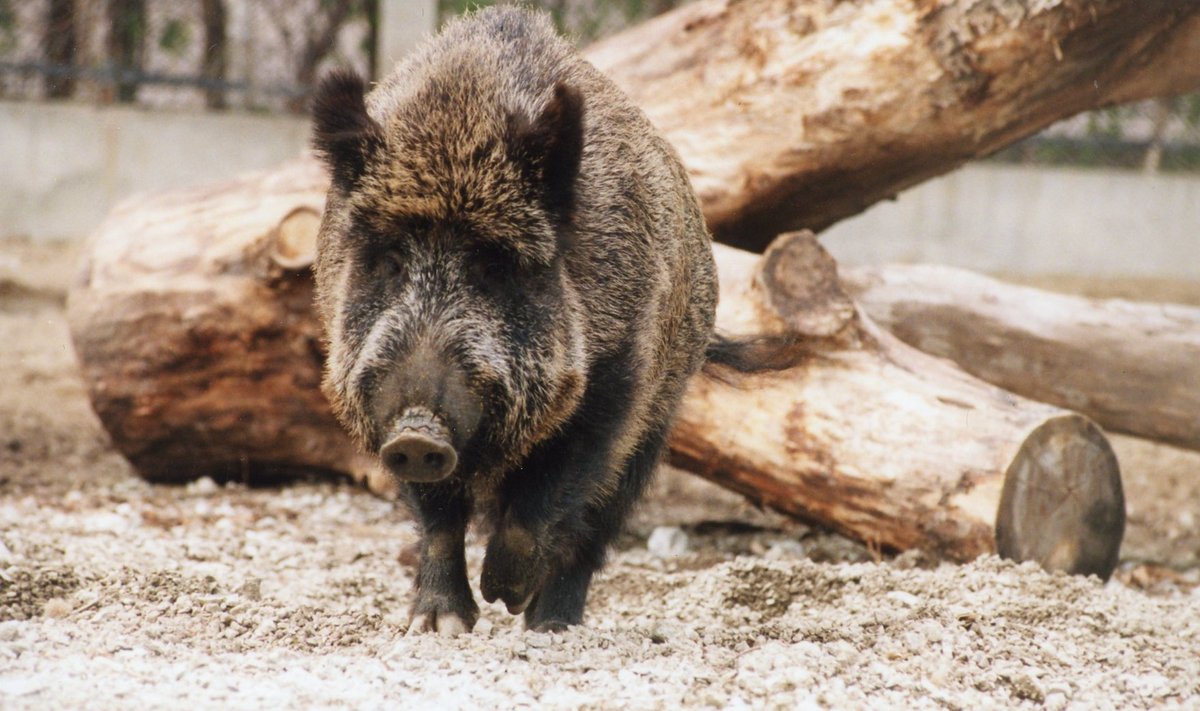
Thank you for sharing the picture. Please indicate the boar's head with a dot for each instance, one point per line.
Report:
(455, 335)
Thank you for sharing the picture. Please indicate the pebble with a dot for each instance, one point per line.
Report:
(204, 486)
(904, 598)
(667, 542)
(57, 608)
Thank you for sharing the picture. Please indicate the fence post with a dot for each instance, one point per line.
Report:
(402, 23)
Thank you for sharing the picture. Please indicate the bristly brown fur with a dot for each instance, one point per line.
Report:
(343, 134)
(505, 221)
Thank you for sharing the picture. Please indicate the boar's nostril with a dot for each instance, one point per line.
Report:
(418, 457)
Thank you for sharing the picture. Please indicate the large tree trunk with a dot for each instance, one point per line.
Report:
(1134, 368)
(200, 352)
(126, 45)
(215, 22)
(798, 113)
(59, 41)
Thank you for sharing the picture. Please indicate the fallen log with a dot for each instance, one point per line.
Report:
(193, 326)
(887, 444)
(1132, 367)
(197, 343)
(795, 114)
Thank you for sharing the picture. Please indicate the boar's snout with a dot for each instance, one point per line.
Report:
(418, 456)
(428, 412)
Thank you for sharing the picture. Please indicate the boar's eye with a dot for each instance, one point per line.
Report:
(490, 266)
(391, 265)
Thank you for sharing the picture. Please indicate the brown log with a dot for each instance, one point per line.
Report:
(887, 444)
(1132, 367)
(197, 343)
(192, 321)
(798, 113)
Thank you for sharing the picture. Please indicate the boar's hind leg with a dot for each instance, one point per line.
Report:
(561, 600)
(443, 602)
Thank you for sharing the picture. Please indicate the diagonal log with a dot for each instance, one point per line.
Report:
(798, 113)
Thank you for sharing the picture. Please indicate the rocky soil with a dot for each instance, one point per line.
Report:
(118, 594)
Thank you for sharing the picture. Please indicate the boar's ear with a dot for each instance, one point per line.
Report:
(551, 146)
(343, 133)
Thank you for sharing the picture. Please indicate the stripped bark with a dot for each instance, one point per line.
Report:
(798, 113)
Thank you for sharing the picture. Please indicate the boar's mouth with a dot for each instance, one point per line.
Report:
(418, 449)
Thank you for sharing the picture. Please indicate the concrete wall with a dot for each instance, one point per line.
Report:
(66, 165)
(1024, 220)
(63, 166)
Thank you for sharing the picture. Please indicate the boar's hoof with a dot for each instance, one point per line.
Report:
(513, 569)
(445, 624)
(417, 457)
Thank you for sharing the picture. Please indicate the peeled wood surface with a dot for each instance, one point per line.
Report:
(799, 113)
(892, 446)
(1132, 367)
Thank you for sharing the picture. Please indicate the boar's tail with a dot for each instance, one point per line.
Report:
(755, 354)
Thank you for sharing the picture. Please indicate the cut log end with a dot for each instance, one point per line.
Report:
(1062, 504)
(294, 241)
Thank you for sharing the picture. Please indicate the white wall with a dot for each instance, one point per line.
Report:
(1024, 220)
(65, 165)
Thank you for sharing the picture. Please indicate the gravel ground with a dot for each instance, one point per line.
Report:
(118, 594)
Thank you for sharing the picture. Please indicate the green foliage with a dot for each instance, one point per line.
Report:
(450, 8)
(1188, 108)
(8, 26)
(175, 37)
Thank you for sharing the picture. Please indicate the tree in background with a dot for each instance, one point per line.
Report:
(59, 40)
(126, 44)
(320, 40)
(215, 55)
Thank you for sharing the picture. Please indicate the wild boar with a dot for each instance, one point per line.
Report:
(516, 284)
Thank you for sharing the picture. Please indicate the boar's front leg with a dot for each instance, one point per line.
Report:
(584, 541)
(443, 602)
(560, 510)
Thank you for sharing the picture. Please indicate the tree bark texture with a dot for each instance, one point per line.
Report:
(199, 348)
(798, 113)
(1132, 367)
